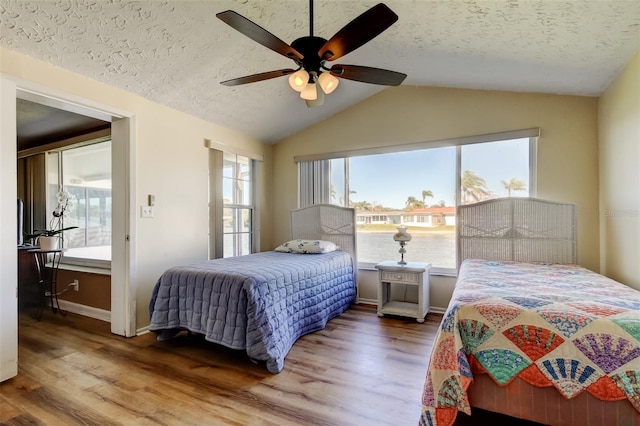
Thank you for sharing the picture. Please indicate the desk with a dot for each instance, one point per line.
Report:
(47, 279)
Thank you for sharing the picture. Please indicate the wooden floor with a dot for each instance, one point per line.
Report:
(359, 370)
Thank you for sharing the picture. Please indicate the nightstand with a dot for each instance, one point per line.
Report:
(411, 273)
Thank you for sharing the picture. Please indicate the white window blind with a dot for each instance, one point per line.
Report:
(314, 182)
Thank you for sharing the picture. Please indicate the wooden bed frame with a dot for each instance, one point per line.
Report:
(530, 230)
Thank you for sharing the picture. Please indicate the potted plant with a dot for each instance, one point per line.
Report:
(48, 238)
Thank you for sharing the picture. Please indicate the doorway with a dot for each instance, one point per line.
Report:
(123, 201)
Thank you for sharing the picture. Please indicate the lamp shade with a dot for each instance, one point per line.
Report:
(328, 82)
(309, 93)
(402, 235)
(299, 80)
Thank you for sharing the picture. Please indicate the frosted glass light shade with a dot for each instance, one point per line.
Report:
(318, 101)
(310, 92)
(328, 82)
(299, 80)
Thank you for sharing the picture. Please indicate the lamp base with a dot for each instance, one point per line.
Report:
(402, 251)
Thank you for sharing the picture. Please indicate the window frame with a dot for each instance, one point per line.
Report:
(69, 258)
(217, 205)
(531, 134)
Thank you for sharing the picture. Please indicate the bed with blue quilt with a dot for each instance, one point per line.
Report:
(263, 302)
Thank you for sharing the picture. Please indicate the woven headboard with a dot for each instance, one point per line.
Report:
(520, 229)
(326, 222)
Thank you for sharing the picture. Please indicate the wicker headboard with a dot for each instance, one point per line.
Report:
(326, 222)
(520, 229)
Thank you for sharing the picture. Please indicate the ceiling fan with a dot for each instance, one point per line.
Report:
(310, 54)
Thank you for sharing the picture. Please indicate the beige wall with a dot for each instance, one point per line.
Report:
(567, 148)
(171, 162)
(619, 155)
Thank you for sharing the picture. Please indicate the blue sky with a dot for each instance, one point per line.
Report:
(390, 178)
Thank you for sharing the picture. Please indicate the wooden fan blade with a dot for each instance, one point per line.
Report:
(257, 77)
(357, 32)
(368, 74)
(259, 34)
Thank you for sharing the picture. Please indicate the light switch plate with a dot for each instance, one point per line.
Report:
(146, 212)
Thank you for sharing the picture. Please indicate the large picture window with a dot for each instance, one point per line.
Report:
(420, 189)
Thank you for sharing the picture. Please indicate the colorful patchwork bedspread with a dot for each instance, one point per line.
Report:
(549, 325)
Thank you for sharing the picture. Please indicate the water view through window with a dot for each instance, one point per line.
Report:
(417, 189)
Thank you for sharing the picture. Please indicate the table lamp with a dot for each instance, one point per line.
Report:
(402, 237)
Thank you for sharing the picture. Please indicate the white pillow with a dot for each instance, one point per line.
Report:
(307, 247)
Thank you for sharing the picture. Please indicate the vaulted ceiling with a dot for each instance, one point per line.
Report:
(177, 52)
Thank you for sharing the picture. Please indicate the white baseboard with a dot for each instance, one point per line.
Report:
(103, 315)
(143, 330)
(432, 309)
(437, 310)
(87, 311)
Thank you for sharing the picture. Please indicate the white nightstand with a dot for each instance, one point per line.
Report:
(412, 273)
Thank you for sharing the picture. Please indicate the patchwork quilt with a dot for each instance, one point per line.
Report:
(261, 303)
(547, 324)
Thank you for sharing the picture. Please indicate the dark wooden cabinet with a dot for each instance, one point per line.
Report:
(29, 291)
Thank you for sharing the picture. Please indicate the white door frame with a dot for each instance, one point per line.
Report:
(123, 254)
(8, 233)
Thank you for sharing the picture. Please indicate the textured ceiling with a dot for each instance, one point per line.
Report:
(177, 52)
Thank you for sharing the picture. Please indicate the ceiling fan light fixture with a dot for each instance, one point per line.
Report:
(310, 92)
(328, 82)
(312, 79)
(299, 80)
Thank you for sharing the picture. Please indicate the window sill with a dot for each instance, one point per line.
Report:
(87, 259)
(87, 269)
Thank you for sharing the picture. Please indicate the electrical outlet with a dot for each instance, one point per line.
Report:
(146, 212)
(76, 285)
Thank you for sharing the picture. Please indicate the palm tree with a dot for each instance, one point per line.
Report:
(426, 193)
(350, 202)
(362, 206)
(473, 186)
(413, 203)
(514, 184)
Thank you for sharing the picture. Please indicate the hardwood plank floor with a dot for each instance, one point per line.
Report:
(359, 370)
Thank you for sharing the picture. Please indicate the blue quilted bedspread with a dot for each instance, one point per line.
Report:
(261, 303)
